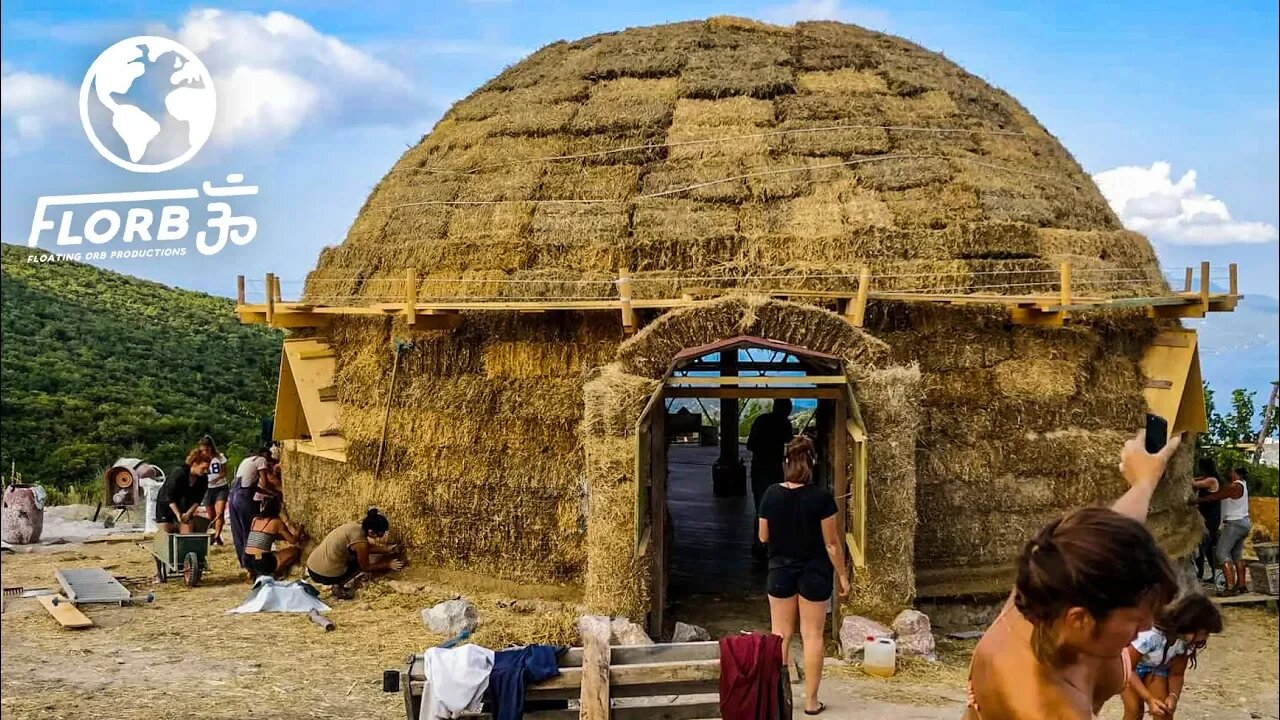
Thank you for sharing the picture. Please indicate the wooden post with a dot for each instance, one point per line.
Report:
(594, 703)
(1065, 281)
(411, 296)
(858, 312)
(239, 289)
(275, 288)
(1235, 285)
(1204, 285)
(271, 298)
(624, 298)
(1186, 280)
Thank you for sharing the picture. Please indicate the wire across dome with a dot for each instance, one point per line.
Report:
(729, 151)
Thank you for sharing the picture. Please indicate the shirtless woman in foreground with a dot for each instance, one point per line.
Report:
(1087, 584)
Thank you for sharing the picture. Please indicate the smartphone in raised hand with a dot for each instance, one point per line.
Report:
(1157, 433)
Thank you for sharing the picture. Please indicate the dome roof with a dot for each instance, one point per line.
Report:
(726, 148)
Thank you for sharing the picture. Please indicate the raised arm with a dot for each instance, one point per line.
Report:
(1206, 483)
(1231, 490)
(1142, 471)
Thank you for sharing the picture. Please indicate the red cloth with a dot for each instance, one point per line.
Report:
(750, 677)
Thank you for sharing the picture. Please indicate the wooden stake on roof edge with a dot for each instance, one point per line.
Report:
(859, 312)
(411, 296)
(271, 299)
(624, 300)
(1204, 286)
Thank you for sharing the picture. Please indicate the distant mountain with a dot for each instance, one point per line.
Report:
(95, 365)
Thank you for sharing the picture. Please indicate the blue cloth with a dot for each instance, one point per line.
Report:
(1144, 670)
(513, 670)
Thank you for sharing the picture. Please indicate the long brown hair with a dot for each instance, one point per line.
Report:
(797, 469)
(1190, 614)
(1094, 558)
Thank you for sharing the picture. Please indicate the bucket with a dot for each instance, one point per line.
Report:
(23, 514)
(1267, 552)
(879, 656)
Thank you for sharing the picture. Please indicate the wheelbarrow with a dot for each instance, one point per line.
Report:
(186, 553)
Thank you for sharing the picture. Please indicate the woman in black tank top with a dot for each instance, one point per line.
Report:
(1206, 483)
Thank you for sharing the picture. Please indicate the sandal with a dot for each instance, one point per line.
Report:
(821, 706)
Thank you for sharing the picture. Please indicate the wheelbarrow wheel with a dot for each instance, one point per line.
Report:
(191, 570)
(162, 572)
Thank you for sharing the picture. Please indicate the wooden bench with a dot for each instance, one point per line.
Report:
(675, 681)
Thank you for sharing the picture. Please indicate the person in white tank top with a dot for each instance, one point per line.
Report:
(1236, 526)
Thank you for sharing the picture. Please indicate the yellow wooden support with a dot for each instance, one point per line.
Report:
(1235, 285)
(271, 298)
(1065, 281)
(624, 299)
(1204, 285)
(411, 296)
(1186, 280)
(858, 311)
(239, 289)
(275, 279)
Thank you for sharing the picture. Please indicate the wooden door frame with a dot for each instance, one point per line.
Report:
(651, 454)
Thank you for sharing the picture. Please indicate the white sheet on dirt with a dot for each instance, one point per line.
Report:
(270, 595)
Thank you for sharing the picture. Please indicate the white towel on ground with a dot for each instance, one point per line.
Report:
(456, 681)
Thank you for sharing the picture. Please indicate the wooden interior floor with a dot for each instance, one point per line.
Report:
(713, 581)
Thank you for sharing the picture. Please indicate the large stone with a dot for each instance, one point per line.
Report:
(915, 635)
(451, 617)
(625, 632)
(689, 633)
(854, 631)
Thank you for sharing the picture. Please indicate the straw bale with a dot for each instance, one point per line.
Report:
(616, 400)
(1015, 207)
(501, 151)
(843, 81)
(931, 207)
(645, 52)
(537, 119)
(1124, 248)
(734, 141)
(759, 70)
(626, 103)
(726, 112)
(902, 173)
(679, 174)
(485, 104)
(557, 62)
(824, 138)
(680, 220)
(826, 45)
(589, 182)
(1038, 378)
(597, 223)
(510, 182)
(633, 146)
(830, 108)
(507, 222)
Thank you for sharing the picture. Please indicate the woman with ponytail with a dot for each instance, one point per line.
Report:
(798, 523)
(351, 549)
(1086, 585)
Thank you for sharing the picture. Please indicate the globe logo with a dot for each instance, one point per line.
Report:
(147, 104)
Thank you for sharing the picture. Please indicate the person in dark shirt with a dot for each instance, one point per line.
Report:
(798, 521)
(181, 493)
(767, 442)
(1206, 483)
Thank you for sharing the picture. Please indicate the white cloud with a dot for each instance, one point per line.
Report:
(275, 73)
(33, 106)
(794, 12)
(1149, 201)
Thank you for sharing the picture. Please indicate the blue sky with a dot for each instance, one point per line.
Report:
(1160, 88)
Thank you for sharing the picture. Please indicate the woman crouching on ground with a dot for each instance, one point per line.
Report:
(798, 523)
(1160, 656)
(1087, 584)
(266, 528)
(351, 549)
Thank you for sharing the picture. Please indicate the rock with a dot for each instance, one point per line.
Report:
(915, 635)
(854, 632)
(689, 633)
(451, 617)
(626, 632)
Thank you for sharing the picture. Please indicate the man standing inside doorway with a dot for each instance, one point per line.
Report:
(767, 442)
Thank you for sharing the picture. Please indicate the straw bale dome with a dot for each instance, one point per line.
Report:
(725, 148)
(727, 153)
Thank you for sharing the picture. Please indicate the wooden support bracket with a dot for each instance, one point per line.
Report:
(857, 308)
(1204, 286)
(411, 296)
(239, 289)
(624, 300)
(271, 298)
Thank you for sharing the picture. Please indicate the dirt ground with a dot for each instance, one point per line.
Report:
(183, 656)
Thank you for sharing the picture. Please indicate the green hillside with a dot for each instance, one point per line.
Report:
(95, 365)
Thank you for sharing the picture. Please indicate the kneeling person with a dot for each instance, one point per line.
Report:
(260, 556)
(351, 549)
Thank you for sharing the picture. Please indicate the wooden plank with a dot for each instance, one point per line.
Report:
(1064, 281)
(1234, 283)
(1159, 384)
(842, 495)
(1175, 339)
(624, 300)
(271, 298)
(594, 697)
(317, 354)
(239, 290)
(821, 393)
(661, 652)
(1186, 280)
(64, 612)
(411, 296)
(859, 310)
(763, 381)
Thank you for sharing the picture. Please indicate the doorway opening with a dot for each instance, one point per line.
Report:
(696, 499)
